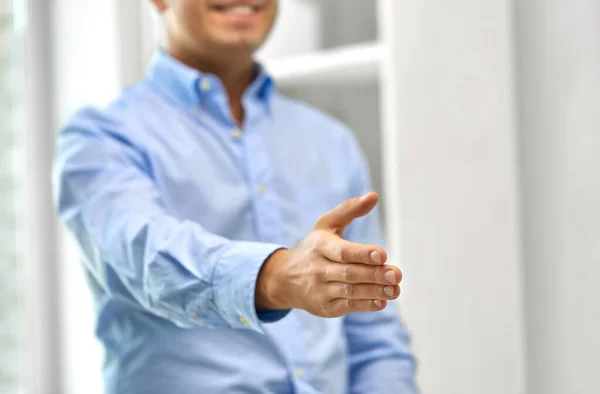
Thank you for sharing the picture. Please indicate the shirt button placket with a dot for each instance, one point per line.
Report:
(262, 190)
(204, 84)
(236, 134)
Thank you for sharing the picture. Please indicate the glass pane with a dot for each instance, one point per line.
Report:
(9, 255)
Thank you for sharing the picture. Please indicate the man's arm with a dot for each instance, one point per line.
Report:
(136, 250)
(140, 253)
(378, 343)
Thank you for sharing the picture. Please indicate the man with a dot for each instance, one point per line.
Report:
(207, 207)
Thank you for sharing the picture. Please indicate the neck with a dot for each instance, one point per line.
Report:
(235, 69)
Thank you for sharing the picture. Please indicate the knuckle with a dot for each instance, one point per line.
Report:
(329, 310)
(366, 305)
(344, 207)
(373, 274)
(350, 275)
(346, 204)
(348, 290)
(353, 305)
(321, 220)
(325, 308)
(320, 242)
(324, 272)
(337, 253)
(345, 273)
(320, 271)
(375, 291)
(342, 253)
(350, 305)
(363, 305)
(363, 254)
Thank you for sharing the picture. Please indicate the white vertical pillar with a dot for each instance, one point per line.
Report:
(559, 78)
(86, 71)
(450, 148)
(96, 49)
(40, 280)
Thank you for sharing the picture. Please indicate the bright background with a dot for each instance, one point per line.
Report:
(481, 121)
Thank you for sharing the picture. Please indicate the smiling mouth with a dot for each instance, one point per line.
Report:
(237, 9)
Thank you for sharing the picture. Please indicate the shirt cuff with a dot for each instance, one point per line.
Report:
(234, 285)
(272, 316)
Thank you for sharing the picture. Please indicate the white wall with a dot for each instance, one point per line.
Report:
(87, 53)
(559, 78)
(452, 155)
(453, 165)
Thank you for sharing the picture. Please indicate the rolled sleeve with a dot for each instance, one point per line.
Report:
(234, 284)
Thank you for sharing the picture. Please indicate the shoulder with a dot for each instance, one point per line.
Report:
(120, 118)
(111, 132)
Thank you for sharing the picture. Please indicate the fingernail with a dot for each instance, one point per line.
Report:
(377, 303)
(389, 291)
(390, 275)
(375, 257)
(363, 197)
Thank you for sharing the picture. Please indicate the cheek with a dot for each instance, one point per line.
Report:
(197, 22)
(271, 14)
(269, 20)
(264, 27)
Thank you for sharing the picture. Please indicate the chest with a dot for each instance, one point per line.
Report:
(266, 181)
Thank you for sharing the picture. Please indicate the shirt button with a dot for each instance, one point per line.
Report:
(192, 111)
(244, 321)
(299, 372)
(193, 318)
(262, 189)
(204, 84)
(236, 134)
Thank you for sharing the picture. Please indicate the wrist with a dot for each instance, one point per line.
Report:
(270, 285)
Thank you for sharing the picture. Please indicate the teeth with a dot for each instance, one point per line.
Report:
(240, 9)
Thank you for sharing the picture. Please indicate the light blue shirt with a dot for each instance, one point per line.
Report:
(175, 210)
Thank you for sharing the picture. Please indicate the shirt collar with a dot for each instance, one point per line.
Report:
(189, 86)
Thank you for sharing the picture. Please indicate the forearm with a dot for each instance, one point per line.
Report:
(174, 269)
(136, 250)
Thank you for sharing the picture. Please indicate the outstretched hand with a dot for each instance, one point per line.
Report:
(327, 275)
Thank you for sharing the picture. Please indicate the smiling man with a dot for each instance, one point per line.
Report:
(228, 232)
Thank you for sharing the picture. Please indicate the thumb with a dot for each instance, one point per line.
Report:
(342, 215)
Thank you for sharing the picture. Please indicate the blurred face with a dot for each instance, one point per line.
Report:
(218, 24)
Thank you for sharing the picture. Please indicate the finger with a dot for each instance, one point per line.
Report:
(343, 306)
(342, 251)
(362, 273)
(362, 291)
(346, 212)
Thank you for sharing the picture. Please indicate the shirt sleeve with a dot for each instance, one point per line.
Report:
(380, 356)
(139, 252)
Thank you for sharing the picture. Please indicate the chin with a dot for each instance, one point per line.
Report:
(241, 43)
